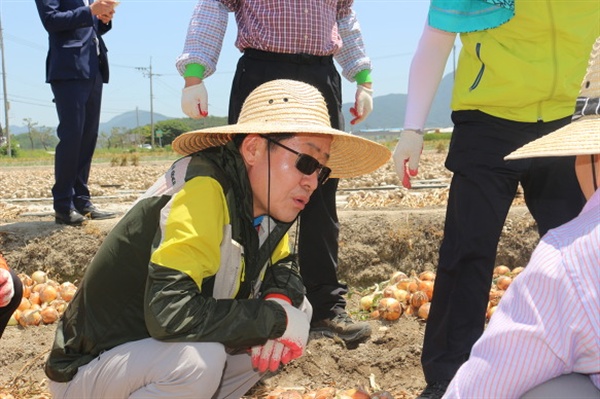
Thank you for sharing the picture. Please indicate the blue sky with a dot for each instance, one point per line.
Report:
(153, 32)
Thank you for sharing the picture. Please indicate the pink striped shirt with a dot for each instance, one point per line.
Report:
(316, 27)
(548, 322)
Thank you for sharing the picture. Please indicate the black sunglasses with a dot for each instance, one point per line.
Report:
(305, 163)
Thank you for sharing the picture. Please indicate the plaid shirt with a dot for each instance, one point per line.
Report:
(316, 27)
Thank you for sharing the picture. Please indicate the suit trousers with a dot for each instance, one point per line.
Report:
(78, 107)
(319, 226)
(481, 192)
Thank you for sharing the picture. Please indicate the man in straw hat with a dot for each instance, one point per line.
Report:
(195, 292)
(544, 339)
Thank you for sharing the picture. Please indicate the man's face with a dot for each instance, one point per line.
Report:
(289, 189)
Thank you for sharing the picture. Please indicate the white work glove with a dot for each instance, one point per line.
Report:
(194, 101)
(407, 155)
(286, 348)
(363, 104)
(7, 289)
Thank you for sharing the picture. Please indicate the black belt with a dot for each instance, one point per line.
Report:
(293, 58)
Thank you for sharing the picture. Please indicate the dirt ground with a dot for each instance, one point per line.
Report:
(404, 234)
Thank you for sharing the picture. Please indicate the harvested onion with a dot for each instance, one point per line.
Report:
(418, 298)
(39, 276)
(503, 282)
(423, 311)
(389, 309)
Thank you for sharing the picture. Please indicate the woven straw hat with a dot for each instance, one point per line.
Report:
(288, 106)
(582, 135)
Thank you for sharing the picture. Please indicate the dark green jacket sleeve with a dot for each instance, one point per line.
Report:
(176, 310)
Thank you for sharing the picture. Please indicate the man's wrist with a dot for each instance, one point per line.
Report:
(363, 77)
(194, 71)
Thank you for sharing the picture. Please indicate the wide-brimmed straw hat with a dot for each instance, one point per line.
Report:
(582, 135)
(288, 106)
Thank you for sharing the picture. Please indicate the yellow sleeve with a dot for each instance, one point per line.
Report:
(192, 229)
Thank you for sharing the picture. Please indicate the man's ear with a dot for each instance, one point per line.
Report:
(252, 148)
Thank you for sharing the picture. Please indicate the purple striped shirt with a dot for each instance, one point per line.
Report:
(316, 27)
(548, 322)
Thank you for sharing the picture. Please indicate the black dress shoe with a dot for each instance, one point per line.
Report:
(92, 212)
(72, 218)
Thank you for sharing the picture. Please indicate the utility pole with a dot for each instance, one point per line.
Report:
(6, 103)
(148, 72)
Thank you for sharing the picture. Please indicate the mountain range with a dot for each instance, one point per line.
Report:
(388, 113)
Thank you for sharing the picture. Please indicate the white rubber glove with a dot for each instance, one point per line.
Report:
(363, 104)
(194, 101)
(7, 288)
(407, 155)
(287, 347)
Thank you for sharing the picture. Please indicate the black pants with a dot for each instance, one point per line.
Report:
(482, 189)
(319, 227)
(78, 107)
(9, 309)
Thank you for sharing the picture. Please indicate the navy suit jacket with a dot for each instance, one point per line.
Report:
(72, 52)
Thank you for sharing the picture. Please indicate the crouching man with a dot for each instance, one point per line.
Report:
(196, 292)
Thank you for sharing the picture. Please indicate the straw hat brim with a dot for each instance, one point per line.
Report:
(351, 155)
(581, 137)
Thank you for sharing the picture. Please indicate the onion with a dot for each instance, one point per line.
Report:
(13, 321)
(503, 282)
(374, 314)
(427, 275)
(495, 296)
(397, 276)
(30, 317)
(26, 291)
(389, 309)
(39, 276)
(418, 298)
(60, 305)
(357, 394)
(402, 296)
(25, 279)
(408, 284)
(325, 393)
(427, 287)
(49, 315)
(25, 304)
(501, 270)
(48, 294)
(366, 302)
(423, 311)
(34, 298)
(67, 291)
(290, 394)
(515, 272)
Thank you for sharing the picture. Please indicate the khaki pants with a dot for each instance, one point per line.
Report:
(154, 369)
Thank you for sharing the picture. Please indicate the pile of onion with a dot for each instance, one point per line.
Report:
(44, 300)
(401, 295)
(412, 295)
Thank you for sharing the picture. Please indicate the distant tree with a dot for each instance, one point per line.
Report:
(118, 137)
(46, 137)
(31, 131)
(171, 128)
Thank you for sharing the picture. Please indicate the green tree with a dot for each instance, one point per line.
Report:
(31, 131)
(171, 128)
